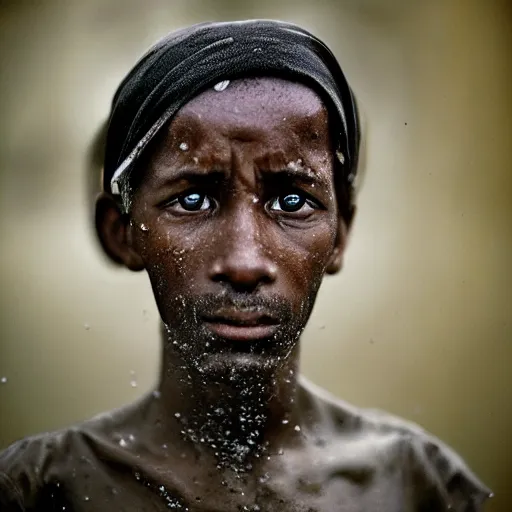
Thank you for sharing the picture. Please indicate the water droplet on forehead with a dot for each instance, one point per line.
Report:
(183, 146)
(221, 86)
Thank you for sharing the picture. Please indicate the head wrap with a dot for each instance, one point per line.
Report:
(187, 61)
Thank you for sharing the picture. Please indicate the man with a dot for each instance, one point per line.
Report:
(228, 176)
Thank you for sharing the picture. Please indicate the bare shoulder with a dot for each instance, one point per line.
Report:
(393, 445)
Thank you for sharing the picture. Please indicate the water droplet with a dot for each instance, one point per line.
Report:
(87, 326)
(133, 380)
(123, 443)
(285, 422)
(340, 156)
(184, 146)
(131, 437)
(3, 380)
(297, 428)
(221, 86)
(177, 414)
(143, 227)
(86, 498)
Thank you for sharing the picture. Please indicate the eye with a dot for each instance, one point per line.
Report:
(291, 203)
(191, 202)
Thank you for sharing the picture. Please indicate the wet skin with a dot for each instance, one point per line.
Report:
(235, 219)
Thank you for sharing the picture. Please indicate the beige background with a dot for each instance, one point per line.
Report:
(419, 322)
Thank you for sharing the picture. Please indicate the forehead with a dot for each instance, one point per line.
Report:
(255, 105)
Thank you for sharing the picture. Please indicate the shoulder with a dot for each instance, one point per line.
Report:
(23, 468)
(33, 470)
(430, 471)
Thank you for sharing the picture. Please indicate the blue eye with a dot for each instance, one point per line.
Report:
(191, 202)
(291, 202)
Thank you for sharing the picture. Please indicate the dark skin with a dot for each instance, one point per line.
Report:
(236, 221)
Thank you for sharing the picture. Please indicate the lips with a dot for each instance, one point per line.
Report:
(239, 325)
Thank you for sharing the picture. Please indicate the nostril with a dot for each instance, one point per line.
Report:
(243, 275)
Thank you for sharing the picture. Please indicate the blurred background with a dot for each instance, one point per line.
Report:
(420, 320)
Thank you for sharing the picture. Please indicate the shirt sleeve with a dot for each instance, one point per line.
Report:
(442, 479)
(19, 482)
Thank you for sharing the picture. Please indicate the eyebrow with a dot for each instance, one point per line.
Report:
(288, 175)
(191, 175)
(291, 174)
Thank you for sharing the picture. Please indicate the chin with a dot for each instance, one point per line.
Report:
(241, 368)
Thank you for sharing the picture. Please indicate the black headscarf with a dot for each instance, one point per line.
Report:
(187, 61)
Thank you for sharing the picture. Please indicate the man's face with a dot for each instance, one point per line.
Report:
(236, 222)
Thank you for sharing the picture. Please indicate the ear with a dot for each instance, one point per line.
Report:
(344, 229)
(114, 232)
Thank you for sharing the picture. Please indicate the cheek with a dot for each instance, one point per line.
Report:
(303, 256)
(171, 258)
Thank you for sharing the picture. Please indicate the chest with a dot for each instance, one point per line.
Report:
(282, 491)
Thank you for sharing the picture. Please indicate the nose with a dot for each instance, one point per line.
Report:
(242, 260)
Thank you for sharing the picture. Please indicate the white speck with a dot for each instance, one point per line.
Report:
(87, 326)
(297, 428)
(285, 422)
(143, 227)
(255, 199)
(195, 160)
(131, 437)
(257, 50)
(184, 146)
(295, 166)
(122, 443)
(340, 156)
(86, 498)
(3, 380)
(221, 86)
(177, 414)
(133, 381)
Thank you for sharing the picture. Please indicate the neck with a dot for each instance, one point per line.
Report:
(234, 411)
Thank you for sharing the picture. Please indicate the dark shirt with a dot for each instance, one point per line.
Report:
(354, 460)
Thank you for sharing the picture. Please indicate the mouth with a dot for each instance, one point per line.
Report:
(239, 325)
